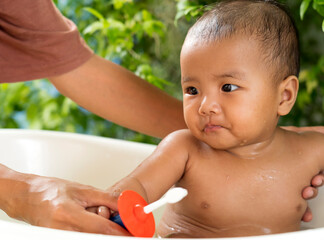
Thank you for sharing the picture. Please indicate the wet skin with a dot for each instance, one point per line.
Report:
(230, 196)
(244, 175)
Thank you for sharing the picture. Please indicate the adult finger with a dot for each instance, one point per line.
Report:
(318, 180)
(308, 216)
(92, 209)
(309, 192)
(92, 197)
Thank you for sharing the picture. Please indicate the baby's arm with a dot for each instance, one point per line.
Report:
(160, 171)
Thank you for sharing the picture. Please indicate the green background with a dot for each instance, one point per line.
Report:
(145, 36)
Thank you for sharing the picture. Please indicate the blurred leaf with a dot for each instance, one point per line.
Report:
(151, 27)
(318, 7)
(188, 9)
(311, 86)
(93, 27)
(304, 7)
(303, 99)
(95, 13)
(146, 15)
(118, 4)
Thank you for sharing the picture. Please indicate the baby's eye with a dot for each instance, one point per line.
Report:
(191, 90)
(229, 87)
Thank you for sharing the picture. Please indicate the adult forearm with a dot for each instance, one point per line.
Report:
(55, 203)
(319, 129)
(12, 186)
(118, 95)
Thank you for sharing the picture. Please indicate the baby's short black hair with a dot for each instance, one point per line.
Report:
(266, 21)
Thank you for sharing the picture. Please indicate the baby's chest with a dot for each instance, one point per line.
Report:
(228, 193)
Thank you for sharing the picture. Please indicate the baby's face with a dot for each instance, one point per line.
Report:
(229, 99)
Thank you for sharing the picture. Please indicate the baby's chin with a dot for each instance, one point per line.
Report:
(218, 144)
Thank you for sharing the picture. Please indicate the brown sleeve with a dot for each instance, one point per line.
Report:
(36, 41)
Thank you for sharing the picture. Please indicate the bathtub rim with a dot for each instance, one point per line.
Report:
(10, 228)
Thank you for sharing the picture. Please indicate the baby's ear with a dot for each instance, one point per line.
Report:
(288, 89)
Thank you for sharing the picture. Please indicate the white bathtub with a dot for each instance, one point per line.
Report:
(94, 161)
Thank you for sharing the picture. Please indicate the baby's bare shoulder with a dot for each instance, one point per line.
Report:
(181, 137)
(176, 147)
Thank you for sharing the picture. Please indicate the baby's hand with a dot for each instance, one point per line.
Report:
(101, 211)
(104, 212)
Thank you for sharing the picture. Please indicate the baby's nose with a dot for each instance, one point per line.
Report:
(209, 106)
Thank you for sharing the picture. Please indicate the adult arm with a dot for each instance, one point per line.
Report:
(36, 49)
(319, 129)
(53, 48)
(54, 203)
(118, 95)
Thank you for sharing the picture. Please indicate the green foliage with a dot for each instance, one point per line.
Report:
(31, 102)
(123, 37)
(318, 6)
(122, 31)
(145, 36)
(188, 9)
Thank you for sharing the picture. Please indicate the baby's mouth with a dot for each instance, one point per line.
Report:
(212, 128)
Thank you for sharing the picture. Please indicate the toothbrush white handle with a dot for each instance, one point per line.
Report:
(172, 196)
(155, 205)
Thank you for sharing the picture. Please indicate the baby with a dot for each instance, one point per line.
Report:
(244, 175)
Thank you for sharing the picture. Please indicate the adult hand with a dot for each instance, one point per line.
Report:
(56, 203)
(311, 191)
(104, 211)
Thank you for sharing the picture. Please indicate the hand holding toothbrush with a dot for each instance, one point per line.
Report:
(135, 214)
